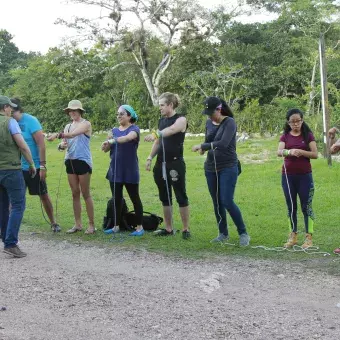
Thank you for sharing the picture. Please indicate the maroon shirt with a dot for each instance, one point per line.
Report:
(296, 165)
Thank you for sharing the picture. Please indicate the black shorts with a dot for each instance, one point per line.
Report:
(35, 185)
(175, 171)
(77, 167)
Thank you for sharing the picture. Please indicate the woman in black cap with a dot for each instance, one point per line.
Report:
(222, 166)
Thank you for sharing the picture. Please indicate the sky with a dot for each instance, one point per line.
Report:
(33, 26)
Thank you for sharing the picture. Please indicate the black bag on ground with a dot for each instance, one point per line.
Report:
(109, 219)
(150, 221)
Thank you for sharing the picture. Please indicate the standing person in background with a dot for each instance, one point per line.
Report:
(334, 145)
(297, 146)
(32, 132)
(168, 141)
(12, 185)
(221, 167)
(334, 148)
(124, 170)
(78, 162)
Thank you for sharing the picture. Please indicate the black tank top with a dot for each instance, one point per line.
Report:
(173, 145)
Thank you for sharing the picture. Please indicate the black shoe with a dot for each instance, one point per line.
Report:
(55, 227)
(164, 232)
(186, 234)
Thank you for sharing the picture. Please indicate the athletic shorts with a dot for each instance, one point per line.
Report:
(175, 179)
(77, 167)
(35, 185)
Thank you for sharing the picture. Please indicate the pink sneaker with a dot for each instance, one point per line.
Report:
(336, 251)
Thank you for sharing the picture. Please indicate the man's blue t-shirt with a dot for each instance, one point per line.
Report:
(30, 125)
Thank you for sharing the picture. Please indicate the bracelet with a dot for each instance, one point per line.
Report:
(32, 166)
(149, 158)
(112, 140)
(285, 152)
(157, 134)
(60, 135)
(42, 167)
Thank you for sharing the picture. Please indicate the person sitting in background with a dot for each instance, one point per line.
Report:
(124, 170)
(32, 132)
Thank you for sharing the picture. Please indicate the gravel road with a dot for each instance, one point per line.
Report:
(68, 291)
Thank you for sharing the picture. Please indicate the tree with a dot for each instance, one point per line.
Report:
(10, 58)
(170, 21)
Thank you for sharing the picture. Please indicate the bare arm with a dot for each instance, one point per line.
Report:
(180, 125)
(40, 140)
(153, 153)
(23, 147)
(154, 149)
(313, 153)
(280, 149)
(108, 144)
(82, 128)
(129, 137)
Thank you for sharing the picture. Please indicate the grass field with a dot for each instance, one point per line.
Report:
(259, 196)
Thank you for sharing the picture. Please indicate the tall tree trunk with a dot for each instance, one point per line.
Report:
(310, 105)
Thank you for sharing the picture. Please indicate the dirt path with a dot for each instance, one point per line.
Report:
(68, 292)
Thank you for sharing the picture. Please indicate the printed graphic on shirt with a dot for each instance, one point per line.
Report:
(174, 175)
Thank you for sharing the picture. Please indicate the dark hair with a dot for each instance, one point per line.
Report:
(132, 119)
(305, 129)
(225, 109)
(17, 101)
(2, 106)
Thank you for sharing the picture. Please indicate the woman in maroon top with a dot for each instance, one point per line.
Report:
(297, 145)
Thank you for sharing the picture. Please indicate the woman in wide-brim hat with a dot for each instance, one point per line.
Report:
(78, 162)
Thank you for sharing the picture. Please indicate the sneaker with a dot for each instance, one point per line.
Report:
(186, 234)
(55, 227)
(15, 252)
(336, 251)
(137, 233)
(114, 230)
(220, 238)
(244, 240)
(164, 232)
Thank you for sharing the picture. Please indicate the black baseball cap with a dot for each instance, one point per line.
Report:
(211, 104)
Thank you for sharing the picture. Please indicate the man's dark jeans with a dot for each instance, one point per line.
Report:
(12, 205)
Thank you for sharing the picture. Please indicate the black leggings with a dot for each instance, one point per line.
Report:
(133, 191)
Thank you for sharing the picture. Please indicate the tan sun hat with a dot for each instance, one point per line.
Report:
(74, 105)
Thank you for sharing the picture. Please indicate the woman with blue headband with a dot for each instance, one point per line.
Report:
(123, 170)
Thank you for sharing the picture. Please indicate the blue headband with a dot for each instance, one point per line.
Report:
(132, 112)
